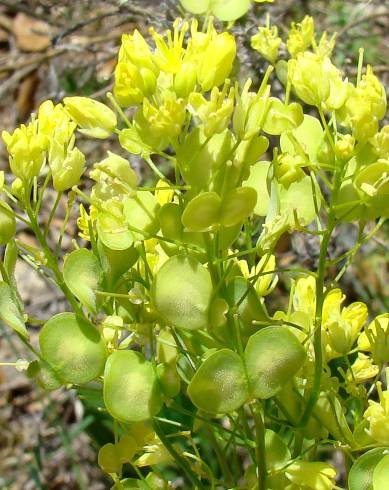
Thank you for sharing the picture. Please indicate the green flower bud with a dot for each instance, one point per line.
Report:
(185, 79)
(344, 147)
(94, 118)
(7, 223)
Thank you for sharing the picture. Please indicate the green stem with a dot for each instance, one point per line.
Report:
(260, 448)
(51, 261)
(192, 477)
(320, 296)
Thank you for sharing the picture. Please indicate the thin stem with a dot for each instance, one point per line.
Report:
(260, 448)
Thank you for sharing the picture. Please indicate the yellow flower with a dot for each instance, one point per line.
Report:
(375, 339)
(300, 36)
(27, 150)
(163, 193)
(378, 416)
(169, 54)
(267, 42)
(94, 118)
(364, 106)
(362, 369)
(215, 113)
(134, 49)
(381, 142)
(84, 219)
(312, 475)
(310, 77)
(304, 297)
(289, 168)
(167, 119)
(133, 83)
(342, 326)
(114, 178)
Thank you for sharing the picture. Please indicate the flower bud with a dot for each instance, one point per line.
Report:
(344, 147)
(94, 118)
(185, 79)
(18, 189)
(67, 172)
(7, 223)
(267, 282)
(217, 61)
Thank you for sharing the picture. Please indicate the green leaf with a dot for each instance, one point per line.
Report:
(9, 311)
(181, 293)
(141, 213)
(82, 275)
(202, 212)
(273, 356)
(73, 348)
(228, 10)
(381, 474)
(131, 391)
(220, 384)
(237, 205)
(258, 181)
(361, 473)
(196, 6)
(281, 117)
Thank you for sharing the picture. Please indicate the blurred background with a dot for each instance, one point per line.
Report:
(54, 48)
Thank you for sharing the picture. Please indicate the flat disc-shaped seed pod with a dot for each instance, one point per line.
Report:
(381, 474)
(82, 275)
(131, 391)
(273, 356)
(220, 384)
(202, 212)
(299, 198)
(181, 293)
(196, 6)
(228, 10)
(309, 135)
(113, 232)
(363, 469)
(237, 205)
(281, 117)
(73, 348)
(258, 181)
(10, 313)
(140, 212)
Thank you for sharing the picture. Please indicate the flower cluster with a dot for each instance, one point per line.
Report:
(170, 285)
